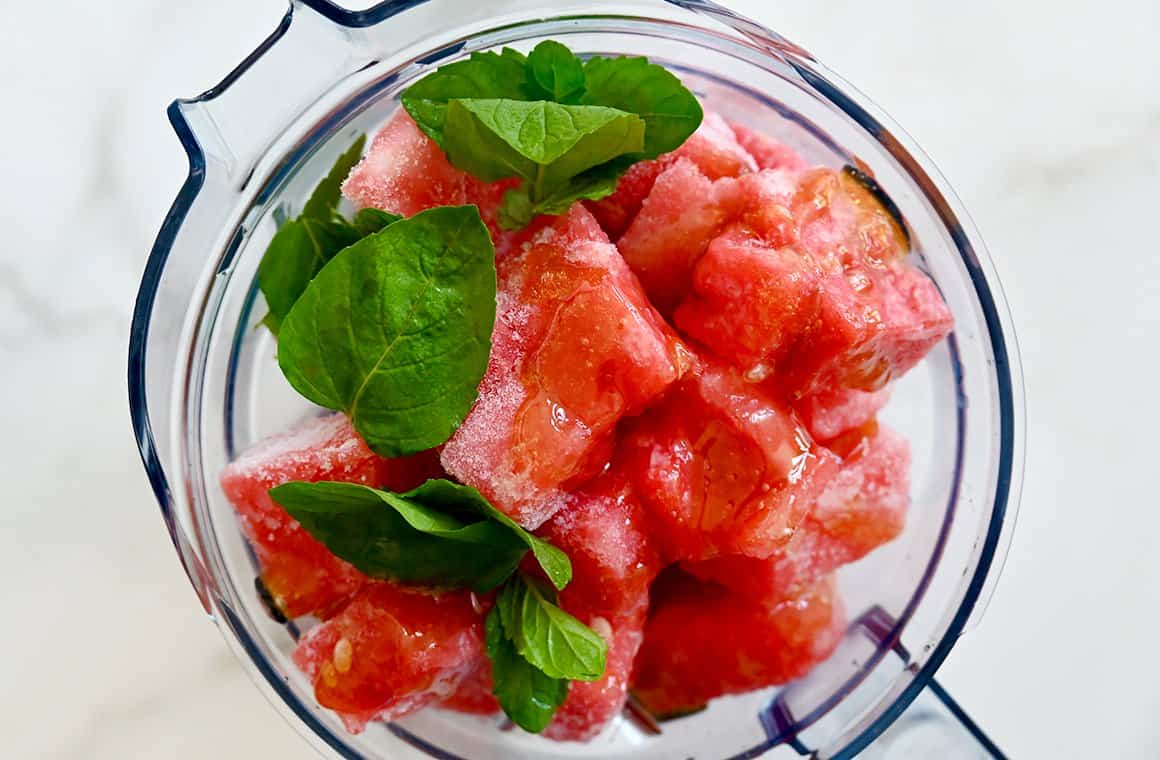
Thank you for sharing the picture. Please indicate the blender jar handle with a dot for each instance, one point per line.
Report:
(934, 725)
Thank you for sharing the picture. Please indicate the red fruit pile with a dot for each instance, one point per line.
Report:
(685, 374)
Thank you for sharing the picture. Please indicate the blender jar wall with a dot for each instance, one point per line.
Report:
(203, 382)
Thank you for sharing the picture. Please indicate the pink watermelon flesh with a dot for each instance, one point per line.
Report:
(830, 413)
(474, 694)
(703, 641)
(682, 213)
(723, 468)
(576, 347)
(601, 528)
(301, 574)
(713, 149)
(405, 172)
(767, 152)
(862, 508)
(809, 285)
(392, 651)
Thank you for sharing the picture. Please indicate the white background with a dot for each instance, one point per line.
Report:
(1044, 115)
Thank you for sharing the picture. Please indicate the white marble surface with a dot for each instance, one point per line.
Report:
(1046, 117)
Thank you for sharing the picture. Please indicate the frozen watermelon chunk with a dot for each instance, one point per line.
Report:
(391, 651)
(576, 347)
(862, 508)
(767, 152)
(722, 468)
(405, 172)
(301, 575)
(830, 413)
(591, 705)
(682, 213)
(702, 641)
(750, 300)
(713, 148)
(474, 694)
(602, 530)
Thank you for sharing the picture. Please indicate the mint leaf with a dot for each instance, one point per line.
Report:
(528, 696)
(483, 75)
(542, 142)
(323, 202)
(557, 71)
(504, 115)
(403, 537)
(456, 498)
(396, 330)
(298, 250)
(671, 113)
(370, 220)
(548, 145)
(547, 636)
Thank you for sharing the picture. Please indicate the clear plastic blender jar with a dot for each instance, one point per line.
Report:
(204, 385)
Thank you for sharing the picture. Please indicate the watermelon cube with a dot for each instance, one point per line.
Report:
(767, 152)
(862, 508)
(576, 347)
(405, 172)
(474, 693)
(602, 530)
(591, 705)
(750, 300)
(391, 651)
(723, 468)
(682, 213)
(713, 148)
(830, 413)
(302, 576)
(703, 641)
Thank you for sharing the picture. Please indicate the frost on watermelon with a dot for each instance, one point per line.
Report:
(830, 413)
(406, 172)
(723, 468)
(392, 651)
(301, 575)
(703, 641)
(810, 284)
(576, 347)
(591, 705)
(862, 508)
(474, 694)
(682, 213)
(767, 152)
(713, 149)
(602, 530)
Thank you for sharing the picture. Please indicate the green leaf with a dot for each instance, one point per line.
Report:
(538, 137)
(323, 202)
(517, 209)
(298, 250)
(483, 75)
(370, 220)
(671, 113)
(528, 696)
(403, 537)
(456, 498)
(396, 330)
(557, 71)
(547, 636)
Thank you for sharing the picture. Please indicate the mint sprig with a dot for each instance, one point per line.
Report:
(395, 330)
(447, 535)
(567, 128)
(440, 534)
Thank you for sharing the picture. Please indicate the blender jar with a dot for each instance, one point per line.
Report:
(203, 383)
